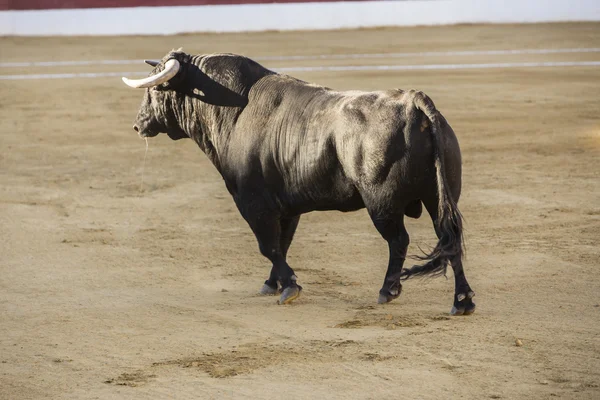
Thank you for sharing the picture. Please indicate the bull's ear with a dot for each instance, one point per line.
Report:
(152, 63)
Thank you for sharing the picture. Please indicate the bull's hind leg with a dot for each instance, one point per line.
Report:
(391, 227)
(463, 294)
(288, 228)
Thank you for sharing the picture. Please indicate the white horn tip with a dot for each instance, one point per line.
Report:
(171, 69)
(129, 82)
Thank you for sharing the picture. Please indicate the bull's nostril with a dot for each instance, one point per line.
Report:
(135, 128)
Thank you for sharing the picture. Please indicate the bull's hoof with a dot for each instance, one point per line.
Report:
(268, 290)
(290, 294)
(385, 296)
(463, 304)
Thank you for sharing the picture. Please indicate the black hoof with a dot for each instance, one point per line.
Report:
(290, 294)
(386, 296)
(463, 304)
(268, 290)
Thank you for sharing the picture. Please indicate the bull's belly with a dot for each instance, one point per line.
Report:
(334, 198)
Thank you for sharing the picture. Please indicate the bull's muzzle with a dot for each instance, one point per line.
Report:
(144, 133)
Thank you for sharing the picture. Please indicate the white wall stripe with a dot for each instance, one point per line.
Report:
(321, 57)
(331, 68)
(289, 16)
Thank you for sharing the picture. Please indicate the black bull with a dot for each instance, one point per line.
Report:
(285, 147)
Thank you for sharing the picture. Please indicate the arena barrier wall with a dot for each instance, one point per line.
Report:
(151, 17)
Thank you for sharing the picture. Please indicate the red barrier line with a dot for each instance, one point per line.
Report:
(74, 4)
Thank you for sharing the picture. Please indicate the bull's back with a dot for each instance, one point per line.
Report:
(317, 149)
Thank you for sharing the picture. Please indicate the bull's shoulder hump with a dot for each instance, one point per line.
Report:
(231, 63)
(283, 91)
(286, 83)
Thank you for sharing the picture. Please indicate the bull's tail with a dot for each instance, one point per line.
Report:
(449, 220)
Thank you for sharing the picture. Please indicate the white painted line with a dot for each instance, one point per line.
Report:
(72, 75)
(438, 66)
(430, 54)
(67, 63)
(332, 68)
(321, 57)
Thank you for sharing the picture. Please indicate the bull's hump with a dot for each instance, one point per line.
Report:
(233, 69)
(278, 83)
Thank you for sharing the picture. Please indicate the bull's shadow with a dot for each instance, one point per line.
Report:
(201, 86)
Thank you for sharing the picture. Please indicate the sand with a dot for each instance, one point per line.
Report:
(109, 291)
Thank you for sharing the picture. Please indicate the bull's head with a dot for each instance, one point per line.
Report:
(194, 96)
(156, 114)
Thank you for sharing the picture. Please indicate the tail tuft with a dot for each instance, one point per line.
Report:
(449, 219)
(448, 247)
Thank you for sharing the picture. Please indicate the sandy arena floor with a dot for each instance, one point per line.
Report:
(112, 291)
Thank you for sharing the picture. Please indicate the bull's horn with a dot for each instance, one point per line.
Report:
(152, 63)
(171, 69)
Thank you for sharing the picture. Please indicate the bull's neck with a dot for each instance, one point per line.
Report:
(217, 92)
(216, 124)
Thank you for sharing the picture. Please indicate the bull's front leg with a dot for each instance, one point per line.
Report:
(267, 227)
(271, 285)
(288, 228)
(268, 233)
